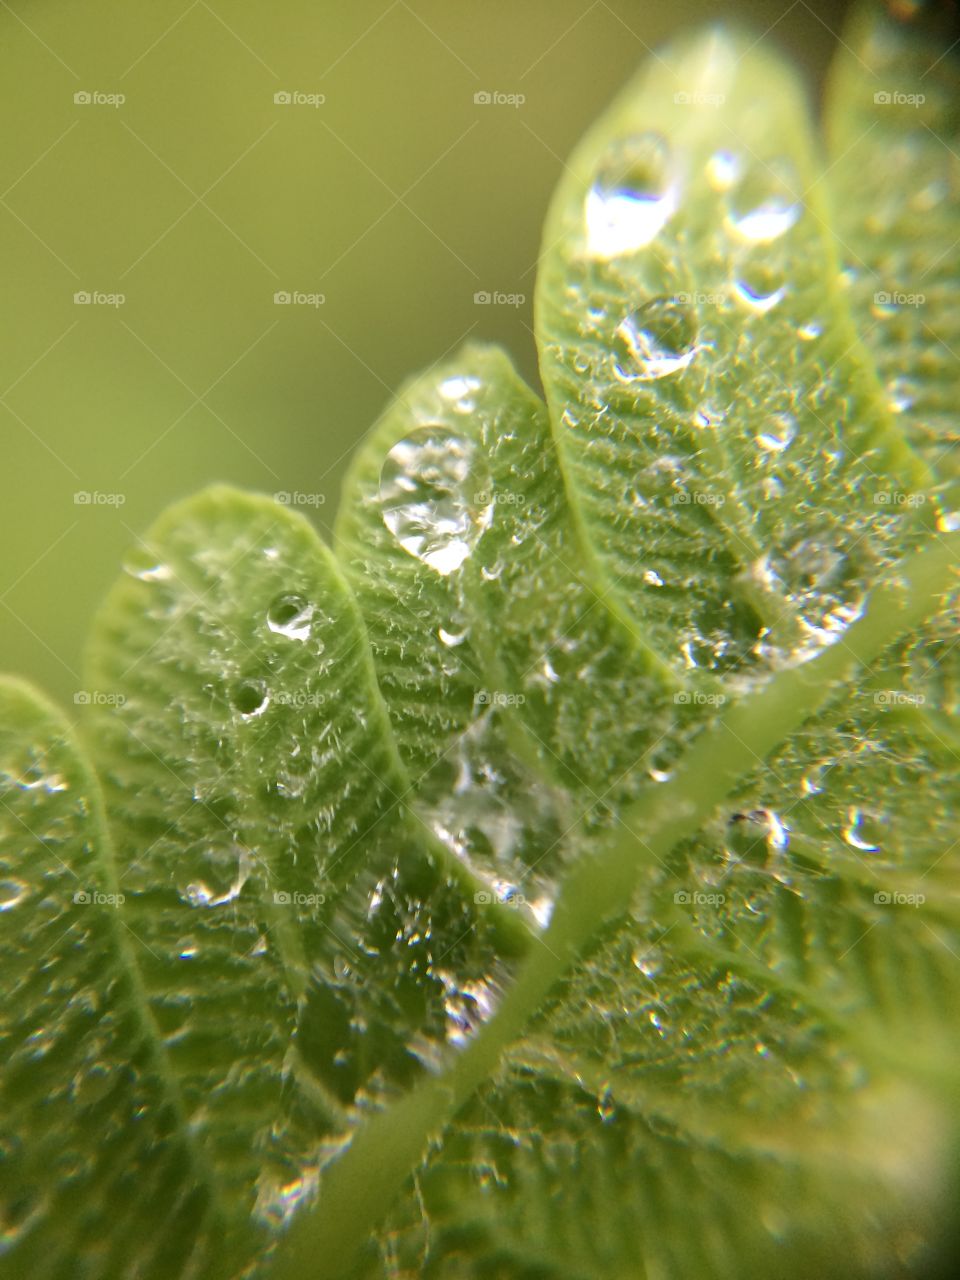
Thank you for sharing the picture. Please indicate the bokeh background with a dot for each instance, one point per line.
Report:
(198, 198)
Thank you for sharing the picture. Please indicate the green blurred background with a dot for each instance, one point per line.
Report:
(199, 198)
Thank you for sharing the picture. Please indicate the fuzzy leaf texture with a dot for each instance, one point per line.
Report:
(558, 879)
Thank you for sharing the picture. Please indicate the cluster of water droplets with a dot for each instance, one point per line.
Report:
(434, 494)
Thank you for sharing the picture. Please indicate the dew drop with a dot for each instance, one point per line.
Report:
(779, 434)
(660, 338)
(139, 563)
(452, 639)
(722, 170)
(632, 197)
(807, 332)
(290, 616)
(435, 497)
(758, 287)
(863, 831)
(250, 698)
(12, 892)
(948, 521)
(649, 960)
(763, 205)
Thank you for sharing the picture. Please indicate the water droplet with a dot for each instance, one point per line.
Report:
(460, 392)
(652, 578)
(632, 197)
(139, 563)
(757, 286)
(290, 616)
(722, 170)
(751, 836)
(660, 338)
(224, 878)
(435, 497)
(948, 521)
(12, 892)
(763, 205)
(779, 435)
(807, 332)
(813, 782)
(864, 830)
(452, 638)
(649, 960)
(251, 698)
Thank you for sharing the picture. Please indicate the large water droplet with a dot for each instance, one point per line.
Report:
(435, 497)
(632, 197)
(250, 697)
(779, 434)
(864, 831)
(660, 339)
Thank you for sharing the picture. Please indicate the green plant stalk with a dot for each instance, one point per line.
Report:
(359, 1188)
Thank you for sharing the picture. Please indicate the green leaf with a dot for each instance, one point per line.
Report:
(99, 1174)
(894, 135)
(722, 438)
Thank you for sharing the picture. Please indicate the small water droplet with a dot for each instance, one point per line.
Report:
(652, 578)
(763, 205)
(649, 960)
(779, 434)
(12, 892)
(948, 521)
(813, 782)
(139, 563)
(452, 639)
(632, 197)
(863, 830)
(807, 332)
(290, 616)
(757, 286)
(435, 497)
(251, 698)
(660, 338)
(723, 168)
